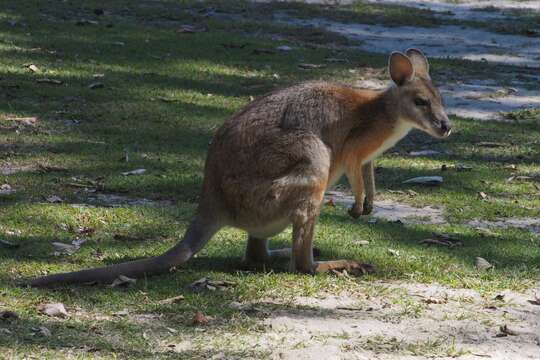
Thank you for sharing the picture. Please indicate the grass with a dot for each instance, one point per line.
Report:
(164, 93)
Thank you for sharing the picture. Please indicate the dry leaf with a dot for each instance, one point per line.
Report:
(165, 99)
(424, 153)
(486, 232)
(63, 248)
(50, 168)
(125, 237)
(462, 167)
(336, 60)
(506, 330)
(134, 172)
(234, 46)
(482, 264)
(362, 269)
(122, 281)
(536, 300)
(172, 300)
(425, 180)
(33, 68)
(123, 312)
(361, 242)
(284, 48)
(189, 29)
(86, 22)
(433, 300)
(200, 319)
(442, 239)
(393, 252)
(482, 195)
(54, 310)
(411, 193)
(49, 81)
(6, 189)
(8, 244)
(207, 284)
(85, 230)
(435, 242)
(262, 51)
(306, 66)
(330, 203)
(96, 85)
(492, 144)
(8, 315)
(53, 199)
(41, 331)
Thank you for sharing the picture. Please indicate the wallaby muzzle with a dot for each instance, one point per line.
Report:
(442, 126)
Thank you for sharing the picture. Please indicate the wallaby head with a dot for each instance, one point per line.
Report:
(418, 101)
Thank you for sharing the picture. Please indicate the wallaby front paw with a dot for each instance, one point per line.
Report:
(368, 207)
(355, 211)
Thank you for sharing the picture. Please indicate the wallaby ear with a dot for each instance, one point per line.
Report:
(419, 61)
(400, 67)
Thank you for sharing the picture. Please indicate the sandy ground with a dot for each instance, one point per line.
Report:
(405, 321)
(380, 320)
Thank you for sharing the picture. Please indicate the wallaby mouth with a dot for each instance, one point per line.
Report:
(445, 129)
(441, 127)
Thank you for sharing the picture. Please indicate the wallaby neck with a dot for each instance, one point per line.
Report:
(375, 124)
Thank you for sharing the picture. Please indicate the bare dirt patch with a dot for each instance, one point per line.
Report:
(527, 223)
(393, 211)
(13, 169)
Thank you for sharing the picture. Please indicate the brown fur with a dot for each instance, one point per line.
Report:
(269, 165)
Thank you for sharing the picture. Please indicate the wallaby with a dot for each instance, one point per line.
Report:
(269, 165)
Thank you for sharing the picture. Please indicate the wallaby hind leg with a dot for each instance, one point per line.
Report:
(257, 251)
(304, 219)
(302, 257)
(369, 186)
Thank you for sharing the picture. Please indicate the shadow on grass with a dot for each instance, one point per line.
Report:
(115, 337)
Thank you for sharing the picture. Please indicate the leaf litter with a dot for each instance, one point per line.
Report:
(53, 310)
(205, 284)
(61, 248)
(441, 239)
(122, 281)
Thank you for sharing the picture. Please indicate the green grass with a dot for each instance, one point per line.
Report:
(164, 95)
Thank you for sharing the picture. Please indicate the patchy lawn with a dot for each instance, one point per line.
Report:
(92, 91)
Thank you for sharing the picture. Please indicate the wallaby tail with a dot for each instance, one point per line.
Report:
(196, 236)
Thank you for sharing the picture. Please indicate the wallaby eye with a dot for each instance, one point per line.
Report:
(421, 102)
